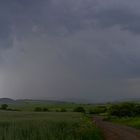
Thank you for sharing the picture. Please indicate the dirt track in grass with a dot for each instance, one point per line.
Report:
(116, 132)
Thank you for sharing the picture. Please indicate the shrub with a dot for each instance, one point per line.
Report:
(124, 110)
(98, 110)
(4, 106)
(38, 109)
(137, 110)
(79, 109)
(63, 110)
(45, 109)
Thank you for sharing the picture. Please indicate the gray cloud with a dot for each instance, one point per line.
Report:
(70, 49)
(127, 20)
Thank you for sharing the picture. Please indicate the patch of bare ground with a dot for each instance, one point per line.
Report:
(116, 132)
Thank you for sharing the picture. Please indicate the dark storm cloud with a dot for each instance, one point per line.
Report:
(69, 16)
(127, 20)
(70, 49)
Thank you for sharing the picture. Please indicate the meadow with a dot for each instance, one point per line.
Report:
(126, 113)
(30, 105)
(46, 126)
(129, 121)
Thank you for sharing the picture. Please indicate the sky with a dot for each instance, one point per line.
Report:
(70, 49)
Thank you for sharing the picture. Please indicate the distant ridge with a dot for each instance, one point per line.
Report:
(18, 101)
(6, 101)
(64, 100)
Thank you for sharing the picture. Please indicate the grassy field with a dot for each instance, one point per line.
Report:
(46, 126)
(29, 106)
(132, 122)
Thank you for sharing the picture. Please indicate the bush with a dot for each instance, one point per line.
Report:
(63, 110)
(79, 109)
(38, 109)
(45, 109)
(4, 106)
(57, 110)
(125, 110)
(137, 110)
(98, 110)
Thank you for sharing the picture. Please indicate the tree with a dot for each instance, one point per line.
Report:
(124, 110)
(45, 109)
(38, 109)
(4, 106)
(79, 109)
(137, 110)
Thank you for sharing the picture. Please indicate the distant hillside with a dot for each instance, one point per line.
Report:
(7, 101)
(19, 101)
(39, 101)
(65, 100)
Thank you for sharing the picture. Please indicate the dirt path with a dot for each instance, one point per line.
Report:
(116, 132)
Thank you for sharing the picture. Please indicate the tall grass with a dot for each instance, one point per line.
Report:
(47, 126)
(129, 121)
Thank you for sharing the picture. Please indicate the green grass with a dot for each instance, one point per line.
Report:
(30, 106)
(132, 122)
(46, 126)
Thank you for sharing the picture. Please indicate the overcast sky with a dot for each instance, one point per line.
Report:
(79, 49)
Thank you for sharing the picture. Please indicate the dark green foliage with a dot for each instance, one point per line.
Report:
(57, 110)
(125, 110)
(63, 110)
(79, 109)
(4, 106)
(38, 109)
(137, 110)
(45, 109)
(98, 110)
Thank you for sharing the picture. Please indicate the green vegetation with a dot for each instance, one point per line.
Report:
(98, 110)
(31, 105)
(130, 121)
(38, 109)
(127, 113)
(4, 106)
(79, 109)
(63, 110)
(46, 126)
(62, 121)
(125, 110)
